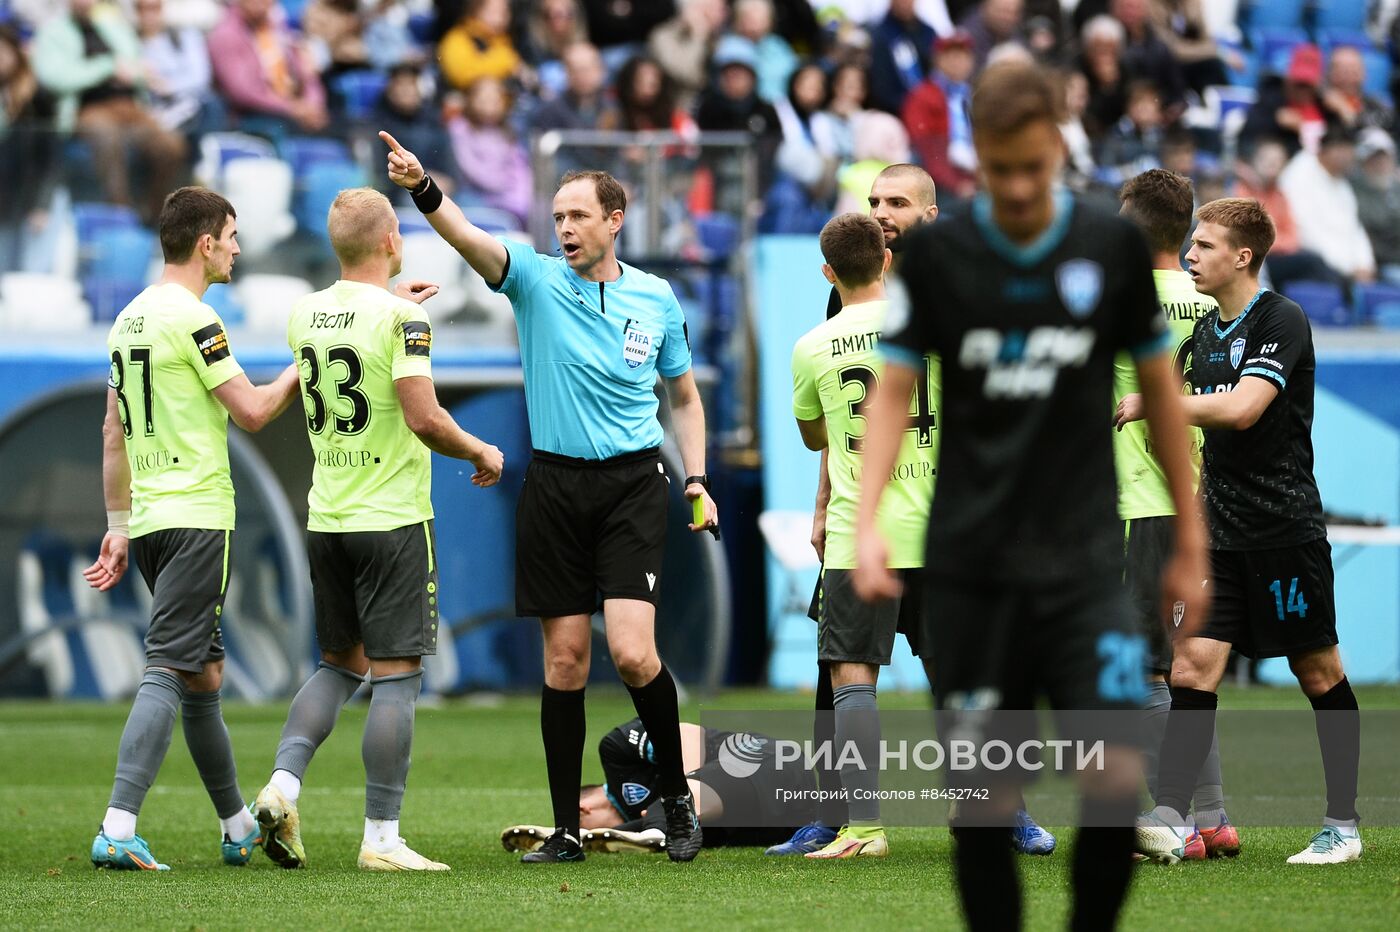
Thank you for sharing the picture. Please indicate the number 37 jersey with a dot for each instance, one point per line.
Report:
(168, 352)
(350, 343)
(835, 368)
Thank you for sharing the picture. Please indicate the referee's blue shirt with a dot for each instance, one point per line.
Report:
(591, 352)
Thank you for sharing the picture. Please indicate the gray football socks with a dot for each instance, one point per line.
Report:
(146, 737)
(207, 738)
(858, 726)
(313, 715)
(388, 742)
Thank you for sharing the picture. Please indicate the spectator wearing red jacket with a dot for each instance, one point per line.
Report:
(936, 115)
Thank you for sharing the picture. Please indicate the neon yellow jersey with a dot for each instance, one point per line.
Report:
(168, 352)
(351, 342)
(1142, 485)
(834, 367)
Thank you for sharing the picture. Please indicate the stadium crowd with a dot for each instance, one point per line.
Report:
(1288, 101)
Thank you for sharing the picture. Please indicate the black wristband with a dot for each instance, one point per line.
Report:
(703, 481)
(427, 197)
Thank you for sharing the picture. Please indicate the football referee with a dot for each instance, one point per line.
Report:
(591, 522)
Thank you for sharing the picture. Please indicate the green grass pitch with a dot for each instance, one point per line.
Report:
(478, 767)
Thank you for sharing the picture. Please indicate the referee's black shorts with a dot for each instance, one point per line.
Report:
(589, 530)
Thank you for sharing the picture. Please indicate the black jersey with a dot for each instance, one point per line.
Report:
(630, 774)
(1027, 336)
(1258, 484)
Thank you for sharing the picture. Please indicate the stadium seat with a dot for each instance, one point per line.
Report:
(420, 26)
(411, 221)
(224, 300)
(35, 301)
(94, 218)
(360, 92)
(1228, 106)
(317, 190)
(267, 299)
(428, 257)
(1378, 68)
(217, 150)
(1378, 303)
(114, 256)
(491, 219)
(262, 190)
(718, 234)
(1257, 14)
(1340, 14)
(1274, 45)
(1328, 39)
(305, 152)
(1248, 75)
(1323, 302)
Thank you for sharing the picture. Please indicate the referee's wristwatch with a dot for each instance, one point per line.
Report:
(703, 481)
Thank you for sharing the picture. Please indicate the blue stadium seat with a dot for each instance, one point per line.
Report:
(1323, 302)
(1255, 14)
(420, 26)
(303, 152)
(360, 91)
(1274, 45)
(1332, 37)
(1378, 68)
(491, 219)
(114, 253)
(224, 300)
(1339, 14)
(719, 234)
(1379, 304)
(95, 218)
(318, 188)
(1247, 76)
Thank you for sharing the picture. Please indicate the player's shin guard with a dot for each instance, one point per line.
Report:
(1189, 730)
(563, 728)
(207, 738)
(1103, 861)
(388, 742)
(985, 870)
(1338, 720)
(858, 726)
(659, 710)
(146, 737)
(313, 715)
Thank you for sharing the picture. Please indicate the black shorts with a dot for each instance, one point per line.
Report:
(186, 570)
(377, 588)
(850, 630)
(1147, 545)
(998, 647)
(1273, 603)
(589, 530)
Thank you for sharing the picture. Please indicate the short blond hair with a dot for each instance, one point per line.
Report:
(358, 221)
(1247, 224)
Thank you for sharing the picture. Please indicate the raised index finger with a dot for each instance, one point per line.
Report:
(391, 141)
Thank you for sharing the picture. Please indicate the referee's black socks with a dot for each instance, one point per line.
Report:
(563, 727)
(1103, 861)
(659, 710)
(984, 866)
(1338, 719)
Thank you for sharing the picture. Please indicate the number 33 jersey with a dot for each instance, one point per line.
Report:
(835, 369)
(351, 342)
(168, 352)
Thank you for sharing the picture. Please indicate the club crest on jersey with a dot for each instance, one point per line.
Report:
(636, 347)
(634, 793)
(1080, 283)
(1236, 353)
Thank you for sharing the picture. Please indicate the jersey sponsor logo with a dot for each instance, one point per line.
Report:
(417, 338)
(212, 343)
(741, 754)
(634, 793)
(1080, 283)
(1236, 353)
(636, 348)
(1023, 364)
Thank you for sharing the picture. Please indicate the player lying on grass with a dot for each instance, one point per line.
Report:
(621, 813)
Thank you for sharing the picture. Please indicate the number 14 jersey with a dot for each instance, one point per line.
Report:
(351, 342)
(835, 368)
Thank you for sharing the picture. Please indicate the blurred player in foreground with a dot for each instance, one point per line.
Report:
(174, 384)
(1026, 299)
(365, 356)
(1253, 377)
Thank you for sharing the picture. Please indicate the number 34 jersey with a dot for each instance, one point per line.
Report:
(168, 352)
(835, 368)
(351, 342)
